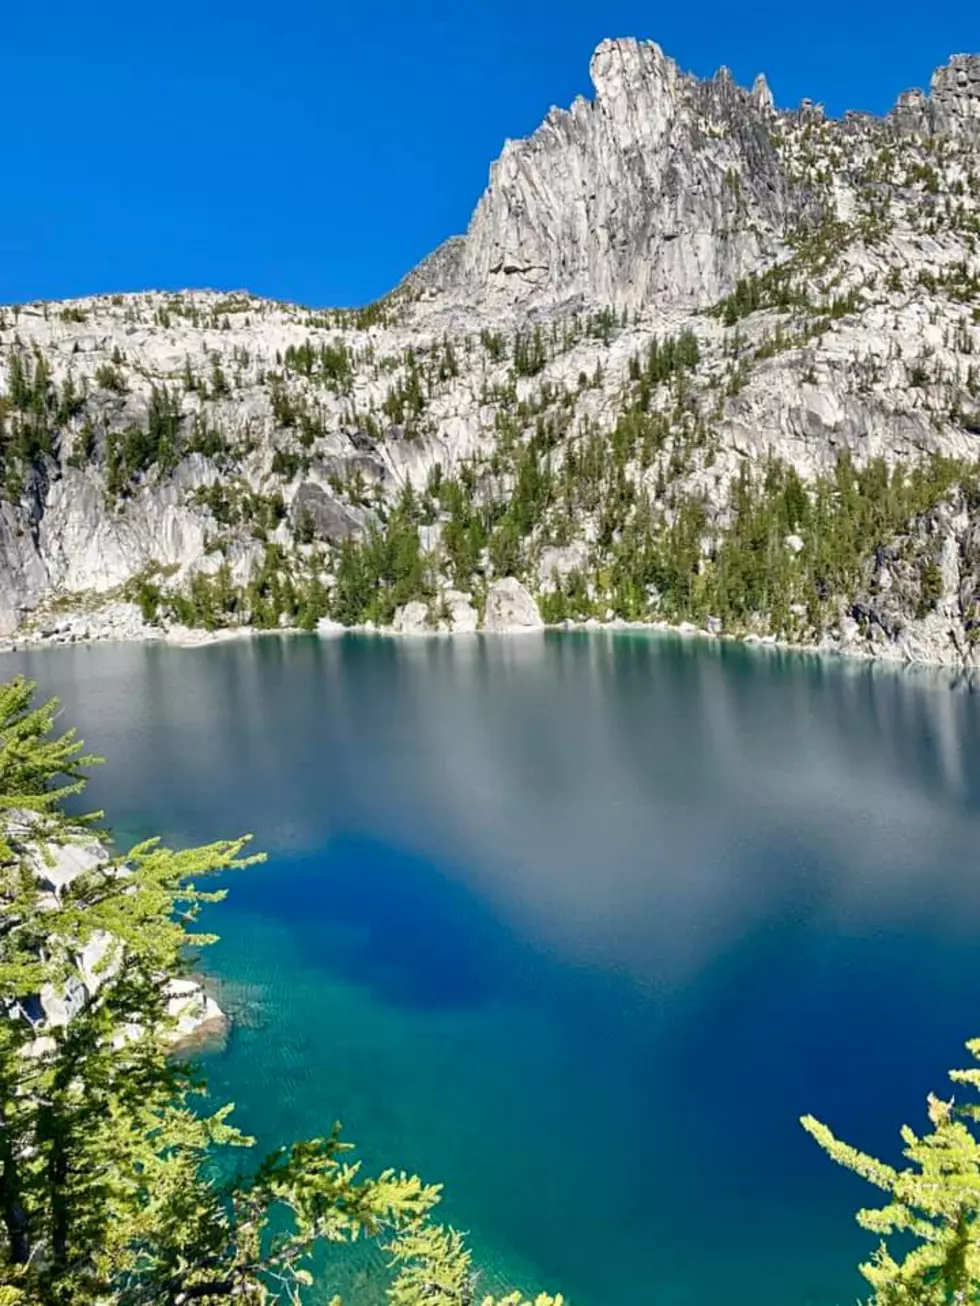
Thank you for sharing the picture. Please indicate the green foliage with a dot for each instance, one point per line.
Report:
(494, 344)
(529, 352)
(382, 572)
(83, 448)
(287, 463)
(160, 444)
(746, 575)
(405, 402)
(111, 1156)
(568, 601)
(930, 587)
(305, 528)
(29, 415)
(219, 382)
(933, 1206)
(208, 440)
(666, 358)
(330, 364)
(135, 450)
(109, 377)
(788, 285)
(282, 591)
(464, 534)
(434, 1266)
(775, 288)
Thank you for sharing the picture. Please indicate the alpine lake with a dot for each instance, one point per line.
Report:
(576, 924)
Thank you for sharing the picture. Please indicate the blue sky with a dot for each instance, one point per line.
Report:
(316, 151)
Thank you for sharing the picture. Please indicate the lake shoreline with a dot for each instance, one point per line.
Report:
(122, 623)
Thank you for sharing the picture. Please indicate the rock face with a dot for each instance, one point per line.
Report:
(462, 616)
(665, 291)
(510, 608)
(953, 109)
(314, 512)
(412, 619)
(661, 187)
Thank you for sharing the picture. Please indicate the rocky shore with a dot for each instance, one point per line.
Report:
(196, 1017)
(510, 609)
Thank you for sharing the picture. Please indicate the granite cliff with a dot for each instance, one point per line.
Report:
(697, 358)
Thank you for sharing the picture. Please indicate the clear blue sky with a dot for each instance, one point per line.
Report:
(315, 151)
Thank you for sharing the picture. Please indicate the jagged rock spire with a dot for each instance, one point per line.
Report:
(761, 94)
(952, 108)
(631, 196)
(661, 188)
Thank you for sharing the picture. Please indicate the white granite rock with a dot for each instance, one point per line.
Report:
(412, 619)
(57, 866)
(510, 608)
(463, 617)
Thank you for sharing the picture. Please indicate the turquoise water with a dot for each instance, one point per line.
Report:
(578, 925)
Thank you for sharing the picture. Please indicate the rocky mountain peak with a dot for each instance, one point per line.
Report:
(630, 76)
(666, 189)
(637, 195)
(952, 108)
(761, 94)
(665, 288)
(956, 93)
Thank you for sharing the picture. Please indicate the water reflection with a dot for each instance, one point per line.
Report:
(639, 800)
(607, 904)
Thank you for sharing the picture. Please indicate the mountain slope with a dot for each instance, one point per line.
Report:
(695, 359)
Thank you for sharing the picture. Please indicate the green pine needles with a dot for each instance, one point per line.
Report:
(933, 1205)
(111, 1156)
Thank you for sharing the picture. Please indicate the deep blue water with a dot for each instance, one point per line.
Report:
(577, 925)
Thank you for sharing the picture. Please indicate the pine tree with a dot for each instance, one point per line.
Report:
(934, 1203)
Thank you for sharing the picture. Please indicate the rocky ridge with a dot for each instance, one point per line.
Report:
(696, 359)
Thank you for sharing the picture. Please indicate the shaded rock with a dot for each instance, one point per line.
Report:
(329, 519)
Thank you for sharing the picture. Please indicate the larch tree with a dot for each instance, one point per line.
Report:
(932, 1207)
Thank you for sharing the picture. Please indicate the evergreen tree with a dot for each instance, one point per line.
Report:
(933, 1204)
